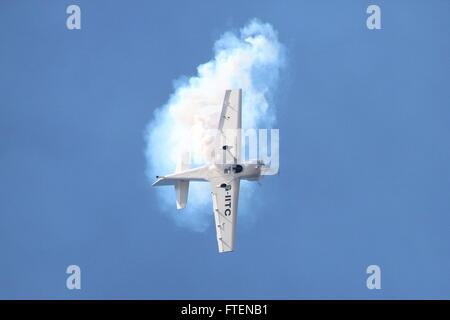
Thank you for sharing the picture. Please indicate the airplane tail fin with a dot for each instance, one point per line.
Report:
(181, 190)
(182, 186)
(180, 179)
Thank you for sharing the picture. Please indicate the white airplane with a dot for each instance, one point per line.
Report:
(224, 176)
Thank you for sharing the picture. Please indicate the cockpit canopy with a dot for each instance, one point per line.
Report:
(237, 168)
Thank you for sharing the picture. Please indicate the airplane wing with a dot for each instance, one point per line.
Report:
(224, 187)
(225, 203)
(228, 140)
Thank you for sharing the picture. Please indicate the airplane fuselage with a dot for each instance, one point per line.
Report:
(249, 170)
(224, 175)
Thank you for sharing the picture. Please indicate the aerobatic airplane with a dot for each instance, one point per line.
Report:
(224, 175)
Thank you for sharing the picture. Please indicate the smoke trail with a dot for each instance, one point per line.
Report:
(251, 61)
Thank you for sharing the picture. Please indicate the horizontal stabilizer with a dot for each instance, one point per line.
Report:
(162, 181)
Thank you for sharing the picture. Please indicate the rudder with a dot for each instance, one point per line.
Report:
(181, 190)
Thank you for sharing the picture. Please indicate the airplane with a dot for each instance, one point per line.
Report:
(223, 175)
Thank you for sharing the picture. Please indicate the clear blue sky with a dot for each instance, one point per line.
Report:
(364, 120)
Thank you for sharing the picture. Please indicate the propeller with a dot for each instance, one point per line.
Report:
(262, 165)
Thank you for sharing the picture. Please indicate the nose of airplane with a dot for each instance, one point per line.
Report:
(260, 164)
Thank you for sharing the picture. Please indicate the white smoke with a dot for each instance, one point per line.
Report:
(250, 60)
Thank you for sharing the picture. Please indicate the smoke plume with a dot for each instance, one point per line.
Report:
(250, 60)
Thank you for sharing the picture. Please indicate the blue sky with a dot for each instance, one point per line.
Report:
(364, 130)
